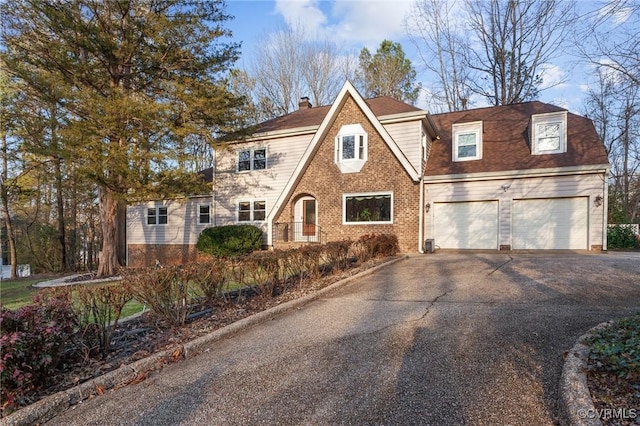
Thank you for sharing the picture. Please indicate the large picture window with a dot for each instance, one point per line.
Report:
(252, 159)
(157, 215)
(368, 208)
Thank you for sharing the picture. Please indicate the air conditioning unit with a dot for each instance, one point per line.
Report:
(429, 245)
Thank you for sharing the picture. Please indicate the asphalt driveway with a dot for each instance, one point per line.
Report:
(434, 339)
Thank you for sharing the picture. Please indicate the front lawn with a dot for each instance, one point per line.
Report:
(17, 293)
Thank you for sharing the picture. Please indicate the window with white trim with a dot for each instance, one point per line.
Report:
(252, 211)
(204, 214)
(157, 215)
(252, 159)
(367, 208)
(351, 148)
(548, 133)
(467, 141)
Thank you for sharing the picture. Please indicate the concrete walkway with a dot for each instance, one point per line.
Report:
(435, 339)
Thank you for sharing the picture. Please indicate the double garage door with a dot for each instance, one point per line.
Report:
(549, 223)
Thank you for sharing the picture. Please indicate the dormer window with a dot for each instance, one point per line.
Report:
(351, 148)
(549, 133)
(252, 159)
(467, 141)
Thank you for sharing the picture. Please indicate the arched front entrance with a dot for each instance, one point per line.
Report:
(305, 218)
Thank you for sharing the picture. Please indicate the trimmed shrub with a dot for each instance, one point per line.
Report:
(338, 254)
(230, 240)
(100, 308)
(620, 236)
(211, 277)
(164, 290)
(264, 270)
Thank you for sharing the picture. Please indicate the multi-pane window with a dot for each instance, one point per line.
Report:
(368, 208)
(252, 159)
(548, 137)
(467, 141)
(548, 133)
(249, 211)
(157, 215)
(204, 214)
(352, 147)
(467, 145)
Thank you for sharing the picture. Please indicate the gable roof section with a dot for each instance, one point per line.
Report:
(383, 105)
(505, 141)
(347, 91)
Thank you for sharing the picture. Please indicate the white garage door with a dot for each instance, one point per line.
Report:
(551, 223)
(468, 225)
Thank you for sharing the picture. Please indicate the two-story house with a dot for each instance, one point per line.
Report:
(523, 176)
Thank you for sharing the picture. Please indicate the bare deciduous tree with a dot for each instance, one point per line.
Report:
(614, 107)
(432, 28)
(290, 64)
(498, 49)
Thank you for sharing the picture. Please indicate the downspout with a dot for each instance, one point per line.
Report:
(605, 206)
(421, 216)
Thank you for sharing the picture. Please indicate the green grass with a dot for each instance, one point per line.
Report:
(17, 293)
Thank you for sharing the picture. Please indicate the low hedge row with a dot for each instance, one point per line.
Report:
(75, 323)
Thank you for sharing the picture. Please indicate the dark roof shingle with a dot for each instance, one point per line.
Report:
(505, 141)
(381, 106)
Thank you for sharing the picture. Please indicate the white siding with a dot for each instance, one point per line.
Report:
(584, 185)
(283, 155)
(182, 222)
(407, 136)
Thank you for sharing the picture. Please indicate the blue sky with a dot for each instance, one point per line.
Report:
(354, 24)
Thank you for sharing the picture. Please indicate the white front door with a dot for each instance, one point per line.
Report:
(306, 219)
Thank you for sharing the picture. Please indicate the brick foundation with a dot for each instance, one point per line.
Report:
(141, 255)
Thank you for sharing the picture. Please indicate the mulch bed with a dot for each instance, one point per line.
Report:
(140, 337)
(611, 392)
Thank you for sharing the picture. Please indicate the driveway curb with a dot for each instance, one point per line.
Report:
(576, 405)
(49, 407)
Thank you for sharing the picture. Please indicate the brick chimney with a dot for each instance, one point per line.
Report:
(304, 103)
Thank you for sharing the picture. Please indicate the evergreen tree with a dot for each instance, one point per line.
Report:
(388, 73)
(138, 81)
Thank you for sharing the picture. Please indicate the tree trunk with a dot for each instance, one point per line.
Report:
(13, 258)
(62, 232)
(4, 194)
(108, 262)
(121, 242)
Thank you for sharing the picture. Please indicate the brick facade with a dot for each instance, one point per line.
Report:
(142, 255)
(323, 180)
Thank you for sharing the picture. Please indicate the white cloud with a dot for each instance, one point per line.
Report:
(616, 10)
(552, 76)
(355, 23)
(301, 12)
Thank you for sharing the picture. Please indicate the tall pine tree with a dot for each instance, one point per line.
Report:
(141, 80)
